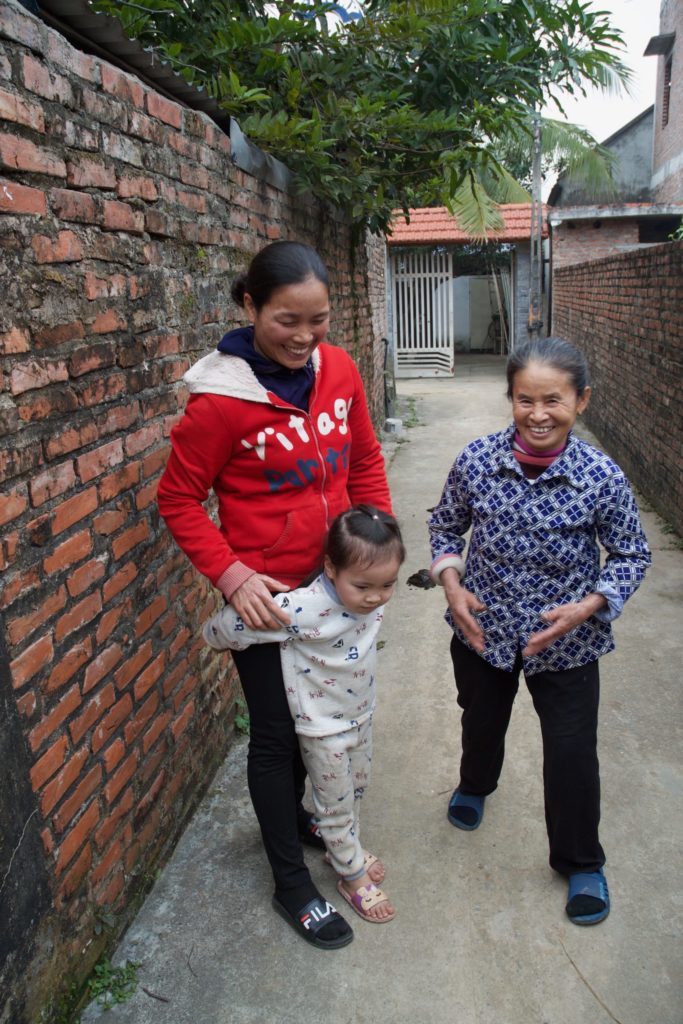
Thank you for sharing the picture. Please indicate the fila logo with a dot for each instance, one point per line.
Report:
(317, 914)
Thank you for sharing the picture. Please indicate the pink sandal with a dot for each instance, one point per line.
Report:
(364, 899)
(368, 862)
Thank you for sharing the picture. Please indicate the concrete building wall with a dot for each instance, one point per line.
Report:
(631, 147)
(626, 313)
(667, 169)
(122, 220)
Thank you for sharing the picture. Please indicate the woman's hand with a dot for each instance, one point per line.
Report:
(253, 603)
(564, 618)
(462, 604)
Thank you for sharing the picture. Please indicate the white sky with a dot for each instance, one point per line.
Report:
(603, 113)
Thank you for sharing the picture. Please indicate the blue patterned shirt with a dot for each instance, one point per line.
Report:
(534, 546)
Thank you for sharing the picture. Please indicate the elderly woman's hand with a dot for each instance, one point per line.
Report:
(563, 619)
(463, 603)
(254, 604)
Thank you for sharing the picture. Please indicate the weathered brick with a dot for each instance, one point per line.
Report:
(146, 496)
(163, 109)
(86, 575)
(58, 334)
(73, 878)
(130, 539)
(66, 248)
(122, 85)
(181, 723)
(109, 622)
(16, 198)
(115, 483)
(22, 626)
(48, 84)
(110, 724)
(119, 581)
(92, 713)
(122, 217)
(135, 726)
(113, 754)
(69, 552)
(104, 287)
(14, 503)
(74, 509)
(20, 154)
(27, 704)
(95, 462)
(155, 731)
(149, 799)
(78, 615)
(149, 615)
(78, 835)
(71, 205)
(19, 584)
(68, 664)
(90, 172)
(131, 186)
(72, 805)
(121, 776)
(51, 761)
(101, 665)
(137, 441)
(21, 110)
(36, 657)
(150, 676)
(36, 373)
(44, 729)
(71, 438)
(107, 321)
(110, 522)
(113, 819)
(133, 665)
(52, 482)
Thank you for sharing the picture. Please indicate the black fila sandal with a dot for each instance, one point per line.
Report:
(312, 918)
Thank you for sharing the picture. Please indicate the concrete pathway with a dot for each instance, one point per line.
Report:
(480, 935)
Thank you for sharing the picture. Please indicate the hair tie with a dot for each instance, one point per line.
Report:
(375, 516)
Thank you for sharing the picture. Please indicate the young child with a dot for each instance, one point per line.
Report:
(533, 597)
(328, 653)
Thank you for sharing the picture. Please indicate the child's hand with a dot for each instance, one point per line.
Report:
(253, 603)
(463, 603)
(564, 618)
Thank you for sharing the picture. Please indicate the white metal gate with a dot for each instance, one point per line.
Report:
(422, 307)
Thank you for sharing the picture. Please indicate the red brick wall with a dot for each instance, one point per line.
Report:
(578, 241)
(626, 313)
(122, 220)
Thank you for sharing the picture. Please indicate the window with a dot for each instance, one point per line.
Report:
(666, 95)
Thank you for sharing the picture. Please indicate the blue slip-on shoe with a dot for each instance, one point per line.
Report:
(588, 898)
(466, 810)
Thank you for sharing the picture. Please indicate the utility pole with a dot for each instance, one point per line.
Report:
(535, 321)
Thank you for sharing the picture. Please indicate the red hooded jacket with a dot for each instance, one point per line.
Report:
(280, 475)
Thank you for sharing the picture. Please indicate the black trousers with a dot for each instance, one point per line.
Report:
(567, 706)
(275, 771)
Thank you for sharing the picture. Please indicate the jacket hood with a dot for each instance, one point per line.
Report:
(237, 370)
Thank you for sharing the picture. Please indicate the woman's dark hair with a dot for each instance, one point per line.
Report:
(555, 352)
(279, 264)
(363, 535)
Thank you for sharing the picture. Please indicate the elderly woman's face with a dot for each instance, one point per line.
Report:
(292, 323)
(545, 405)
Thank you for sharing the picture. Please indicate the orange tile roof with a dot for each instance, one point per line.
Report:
(433, 224)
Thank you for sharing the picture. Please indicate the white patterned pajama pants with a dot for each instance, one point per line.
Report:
(339, 769)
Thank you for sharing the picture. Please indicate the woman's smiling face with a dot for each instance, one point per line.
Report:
(290, 326)
(545, 405)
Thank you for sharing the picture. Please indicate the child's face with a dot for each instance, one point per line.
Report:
(365, 587)
(545, 405)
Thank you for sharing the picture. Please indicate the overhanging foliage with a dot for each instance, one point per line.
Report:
(405, 107)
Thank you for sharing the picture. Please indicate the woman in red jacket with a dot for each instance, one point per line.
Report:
(277, 426)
